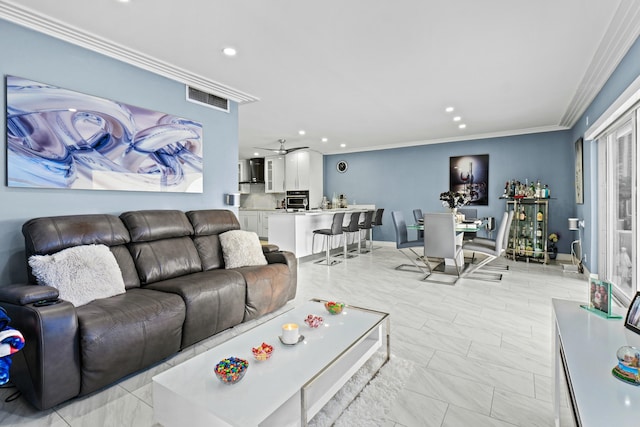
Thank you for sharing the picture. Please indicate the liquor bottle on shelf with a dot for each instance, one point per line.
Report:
(539, 232)
(539, 216)
(522, 216)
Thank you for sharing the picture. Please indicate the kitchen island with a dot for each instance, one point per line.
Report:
(293, 231)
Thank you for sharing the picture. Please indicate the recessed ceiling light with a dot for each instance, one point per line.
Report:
(462, 126)
(325, 139)
(73, 110)
(449, 109)
(301, 132)
(343, 145)
(229, 51)
(457, 118)
(123, 1)
(256, 154)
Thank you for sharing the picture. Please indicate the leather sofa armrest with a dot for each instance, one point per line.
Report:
(23, 294)
(47, 369)
(288, 258)
(269, 248)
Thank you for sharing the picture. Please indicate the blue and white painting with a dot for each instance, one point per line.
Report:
(58, 138)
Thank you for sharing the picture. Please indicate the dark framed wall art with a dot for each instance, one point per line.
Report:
(470, 175)
(59, 138)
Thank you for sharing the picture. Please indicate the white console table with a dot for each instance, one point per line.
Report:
(585, 346)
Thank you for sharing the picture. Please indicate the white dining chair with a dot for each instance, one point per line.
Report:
(441, 242)
(490, 252)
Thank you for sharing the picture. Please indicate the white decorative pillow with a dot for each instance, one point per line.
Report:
(81, 273)
(241, 248)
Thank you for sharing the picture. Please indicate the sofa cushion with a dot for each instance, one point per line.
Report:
(214, 301)
(126, 333)
(241, 248)
(150, 225)
(212, 221)
(81, 274)
(48, 235)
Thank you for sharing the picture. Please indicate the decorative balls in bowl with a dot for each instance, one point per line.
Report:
(262, 352)
(334, 307)
(231, 370)
(313, 321)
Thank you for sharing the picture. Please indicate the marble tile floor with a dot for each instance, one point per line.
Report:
(482, 349)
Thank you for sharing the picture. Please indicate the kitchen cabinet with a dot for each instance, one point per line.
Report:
(304, 171)
(256, 221)
(529, 229)
(274, 174)
(248, 220)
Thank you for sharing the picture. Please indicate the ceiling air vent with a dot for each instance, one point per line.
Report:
(207, 99)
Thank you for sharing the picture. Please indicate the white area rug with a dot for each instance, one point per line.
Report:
(371, 404)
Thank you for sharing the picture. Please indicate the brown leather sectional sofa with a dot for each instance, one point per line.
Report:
(177, 293)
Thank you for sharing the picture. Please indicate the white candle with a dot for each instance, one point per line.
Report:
(290, 334)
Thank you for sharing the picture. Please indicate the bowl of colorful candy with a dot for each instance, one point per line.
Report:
(334, 307)
(313, 321)
(262, 352)
(231, 370)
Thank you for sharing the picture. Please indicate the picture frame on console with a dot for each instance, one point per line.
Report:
(632, 320)
(600, 298)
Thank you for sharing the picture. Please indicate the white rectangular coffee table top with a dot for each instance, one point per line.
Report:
(194, 391)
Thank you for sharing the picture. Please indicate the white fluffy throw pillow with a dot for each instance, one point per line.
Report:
(81, 273)
(241, 248)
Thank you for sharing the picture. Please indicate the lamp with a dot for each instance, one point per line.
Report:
(576, 224)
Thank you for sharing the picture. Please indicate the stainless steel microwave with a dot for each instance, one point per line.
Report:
(298, 199)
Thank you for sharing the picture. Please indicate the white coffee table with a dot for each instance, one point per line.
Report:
(289, 388)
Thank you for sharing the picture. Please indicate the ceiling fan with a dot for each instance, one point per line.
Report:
(282, 150)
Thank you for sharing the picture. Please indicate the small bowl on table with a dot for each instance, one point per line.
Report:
(334, 307)
(231, 370)
(262, 352)
(313, 321)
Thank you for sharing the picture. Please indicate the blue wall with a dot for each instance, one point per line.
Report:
(407, 178)
(29, 54)
(413, 177)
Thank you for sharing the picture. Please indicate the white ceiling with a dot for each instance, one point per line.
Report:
(365, 73)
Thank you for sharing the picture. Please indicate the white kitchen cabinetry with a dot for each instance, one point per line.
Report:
(249, 220)
(304, 172)
(263, 224)
(256, 221)
(274, 174)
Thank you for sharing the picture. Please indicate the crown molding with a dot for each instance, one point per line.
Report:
(502, 134)
(622, 32)
(39, 22)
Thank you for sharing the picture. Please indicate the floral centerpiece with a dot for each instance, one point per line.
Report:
(453, 199)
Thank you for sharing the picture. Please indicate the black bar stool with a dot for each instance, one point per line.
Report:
(328, 233)
(366, 225)
(348, 230)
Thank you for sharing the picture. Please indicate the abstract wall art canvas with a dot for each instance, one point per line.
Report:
(59, 138)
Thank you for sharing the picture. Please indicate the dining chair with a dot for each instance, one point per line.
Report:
(403, 243)
(418, 217)
(328, 234)
(469, 214)
(490, 252)
(440, 242)
(492, 243)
